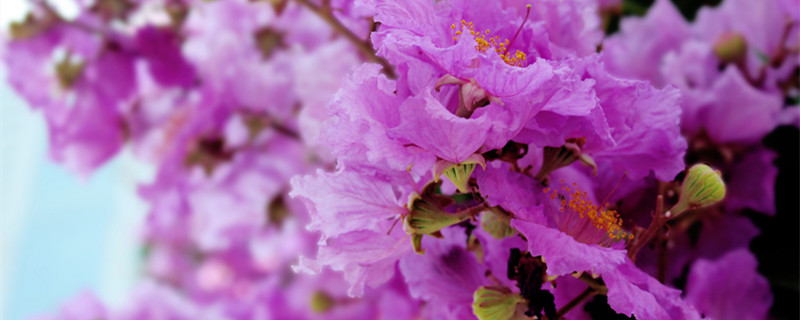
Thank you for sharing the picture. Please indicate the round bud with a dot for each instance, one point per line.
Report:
(495, 303)
(730, 47)
(321, 302)
(702, 187)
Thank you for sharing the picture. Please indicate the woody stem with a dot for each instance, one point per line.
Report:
(363, 46)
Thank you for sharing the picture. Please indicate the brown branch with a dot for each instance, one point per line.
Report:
(652, 231)
(363, 46)
(596, 286)
(661, 273)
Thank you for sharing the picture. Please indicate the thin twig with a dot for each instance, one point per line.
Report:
(596, 285)
(575, 302)
(661, 273)
(363, 46)
(655, 227)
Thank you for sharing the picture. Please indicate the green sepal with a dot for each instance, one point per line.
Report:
(428, 219)
(427, 215)
(474, 246)
(458, 173)
(554, 158)
(497, 223)
(416, 243)
(495, 303)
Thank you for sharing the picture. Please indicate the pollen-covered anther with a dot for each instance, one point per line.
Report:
(484, 42)
(584, 220)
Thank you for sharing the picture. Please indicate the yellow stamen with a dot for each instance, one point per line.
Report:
(483, 44)
(607, 220)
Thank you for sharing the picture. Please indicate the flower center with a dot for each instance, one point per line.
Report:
(585, 221)
(484, 43)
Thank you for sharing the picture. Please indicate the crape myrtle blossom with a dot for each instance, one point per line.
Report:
(64, 70)
(570, 239)
(225, 176)
(554, 97)
(445, 276)
(743, 59)
(490, 160)
(729, 287)
(355, 211)
(464, 99)
(209, 93)
(734, 66)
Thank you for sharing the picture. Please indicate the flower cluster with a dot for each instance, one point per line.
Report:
(402, 159)
(220, 98)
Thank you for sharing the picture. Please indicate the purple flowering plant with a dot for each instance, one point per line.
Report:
(417, 159)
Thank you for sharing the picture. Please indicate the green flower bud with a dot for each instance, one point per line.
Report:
(495, 303)
(497, 223)
(730, 47)
(321, 302)
(702, 187)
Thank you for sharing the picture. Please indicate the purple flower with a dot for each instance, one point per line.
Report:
(360, 115)
(221, 43)
(356, 210)
(765, 26)
(633, 292)
(466, 94)
(215, 219)
(752, 182)
(737, 112)
(728, 64)
(161, 49)
(729, 286)
(634, 127)
(83, 91)
(445, 277)
(319, 74)
(637, 51)
(579, 236)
